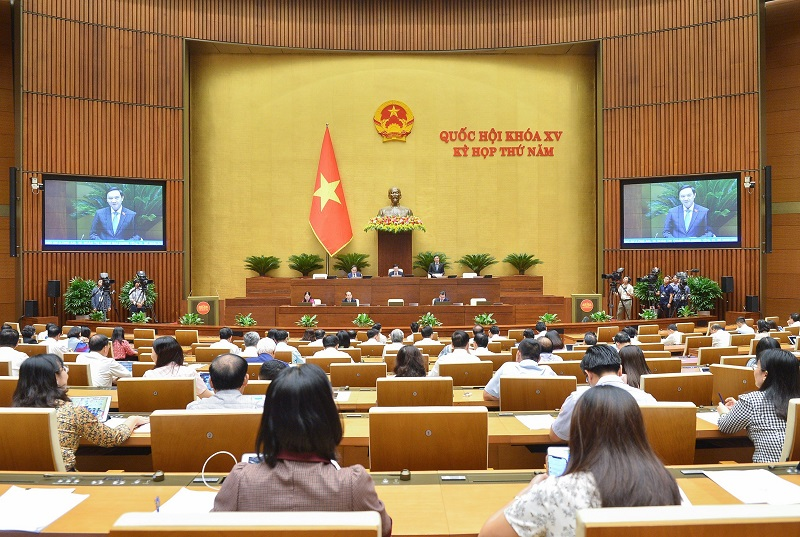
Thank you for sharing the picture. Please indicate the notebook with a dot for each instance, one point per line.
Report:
(98, 405)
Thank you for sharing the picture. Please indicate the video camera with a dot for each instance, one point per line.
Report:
(650, 278)
(141, 278)
(106, 281)
(614, 276)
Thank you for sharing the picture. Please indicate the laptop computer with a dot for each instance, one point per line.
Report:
(98, 405)
(128, 365)
(206, 376)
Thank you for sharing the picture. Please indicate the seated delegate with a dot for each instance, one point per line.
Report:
(297, 441)
(43, 383)
(168, 356)
(605, 469)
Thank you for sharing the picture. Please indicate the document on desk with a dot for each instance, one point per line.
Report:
(536, 421)
(756, 486)
(35, 509)
(342, 397)
(710, 417)
(190, 501)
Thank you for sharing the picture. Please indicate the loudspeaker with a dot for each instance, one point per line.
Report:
(751, 303)
(31, 308)
(54, 288)
(727, 284)
(767, 209)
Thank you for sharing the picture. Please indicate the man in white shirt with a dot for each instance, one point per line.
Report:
(414, 330)
(494, 333)
(228, 374)
(330, 348)
(8, 340)
(427, 332)
(459, 355)
(742, 327)
(719, 337)
(794, 319)
(527, 363)
(226, 341)
(603, 367)
(104, 370)
(673, 336)
(396, 343)
(55, 345)
(481, 345)
(281, 336)
(319, 335)
(540, 330)
(251, 340)
(381, 337)
(625, 291)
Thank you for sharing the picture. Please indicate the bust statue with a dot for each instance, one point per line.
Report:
(395, 209)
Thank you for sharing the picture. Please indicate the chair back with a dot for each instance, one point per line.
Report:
(361, 375)
(8, 385)
(253, 370)
(187, 337)
(15, 326)
(515, 334)
(207, 354)
(29, 440)
(649, 338)
(144, 333)
(149, 394)
(468, 374)
(605, 334)
(371, 349)
(648, 329)
(740, 359)
(495, 346)
(534, 393)
(570, 355)
(182, 440)
(80, 375)
(361, 335)
(657, 354)
(651, 346)
(425, 391)
(353, 352)
(5, 368)
(741, 340)
(728, 520)
(325, 363)
(431, 349)
(692, 387)
(104, 331)
(732, 380)
(498, 359)
(670, 428)
(428, 438)
(692, 343)
(139, 368)
(664, 365)
(243, 524)
(70, 356)
(712, 355)
(569, 368)
(283, 356)
(39, 327)
(143, 342)
(308, 350)
(791, 445)
(781, 336)
(794, 330)
(31, 349)
(256, 387)
(685, 328)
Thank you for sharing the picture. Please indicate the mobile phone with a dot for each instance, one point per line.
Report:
(252, 458)
(557, 458)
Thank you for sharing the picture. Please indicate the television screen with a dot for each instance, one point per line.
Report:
(83, 213)
(672, 212)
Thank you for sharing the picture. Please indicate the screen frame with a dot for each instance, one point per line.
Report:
(122, 182)
(678, 244)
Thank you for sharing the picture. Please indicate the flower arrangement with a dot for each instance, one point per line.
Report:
(395, 224)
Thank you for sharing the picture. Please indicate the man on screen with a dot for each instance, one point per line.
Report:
(688, 219)
(114, 222)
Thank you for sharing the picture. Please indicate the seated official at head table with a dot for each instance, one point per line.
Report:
(354, 273)
(228, 374)
(442, 298)
(348, 297)
(395, 271)
(43, 383)
(610, 464)
(297, 442)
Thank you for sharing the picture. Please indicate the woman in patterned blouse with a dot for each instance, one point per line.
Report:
(611, 464)
(43, 384)
(121, 348)
(763, 412)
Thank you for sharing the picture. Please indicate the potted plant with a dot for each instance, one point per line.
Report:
(244, 320)
(150, 295)
(78, 297)
(262, 264)
(429, 319)
(703, 293)
(477, 262)
(485, 319)
(139, 317)
(308, 321)
(522, 262)
(424, 259)
(345, 262)
(190, 319)
(646, 293)
(600, 317)
(97, 316)
(685, 311)
(549, 318)
(305, 264)
(649, 314)
(363, 320)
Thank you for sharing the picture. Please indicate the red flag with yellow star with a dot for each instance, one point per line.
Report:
(329, 218)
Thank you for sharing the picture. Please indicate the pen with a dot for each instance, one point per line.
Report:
(158, 504)
(721, 400)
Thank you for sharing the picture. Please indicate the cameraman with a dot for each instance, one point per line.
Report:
(665, 294)
(101, 299)
(625, 291)
(138, 297)
(681, 297)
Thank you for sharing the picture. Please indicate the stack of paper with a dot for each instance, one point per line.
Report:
(190, 501)
(756, 486)
(35, 509)
(536, 422)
